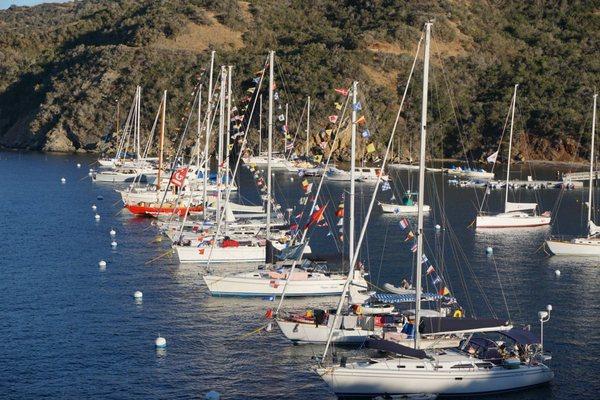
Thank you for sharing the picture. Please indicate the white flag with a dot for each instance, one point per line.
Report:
(492, 159)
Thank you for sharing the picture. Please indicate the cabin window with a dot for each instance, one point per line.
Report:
(420, 366)
(484, 365)
(401, 366)
(462, 366)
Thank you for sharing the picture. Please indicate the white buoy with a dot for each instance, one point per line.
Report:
(102, 264)
(212, 395)
(113, 244)
(557, 272)
(269, 327)
(489, 250)
(94, 208)
(97, 217)
(78, 165)
(292, 179)
(63, 180)
(437, 227)
(112, 233)
(91, 170)
(90, 174)
(160, 342)
(138, 295)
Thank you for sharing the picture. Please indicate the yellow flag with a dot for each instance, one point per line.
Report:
(362, 120)
(370, 148)
(328, 131)
(338, 106)
(318, 158)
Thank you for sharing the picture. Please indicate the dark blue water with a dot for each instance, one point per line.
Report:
(72, 331)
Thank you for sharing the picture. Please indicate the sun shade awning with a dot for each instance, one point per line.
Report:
(393, 347)
(434, 325)
(521, 336)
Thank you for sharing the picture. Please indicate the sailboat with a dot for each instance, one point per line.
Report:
(515, 215)
(582, 246)
(477, 366)
(407, 205)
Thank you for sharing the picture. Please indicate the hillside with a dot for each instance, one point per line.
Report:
(64, 66)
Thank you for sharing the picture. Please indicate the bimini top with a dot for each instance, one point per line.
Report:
(409, 297)
(521, 336)
(393, 347)
(434, 325)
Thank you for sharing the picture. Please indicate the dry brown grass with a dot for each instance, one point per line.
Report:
(379, 76)
(197, 38)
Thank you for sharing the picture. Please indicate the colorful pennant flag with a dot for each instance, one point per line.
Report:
(179, 177)
(370, 148)
(404, 223)
(362, 120)
(343, 92)
(333, 119)
(414, 248)
(315, 217)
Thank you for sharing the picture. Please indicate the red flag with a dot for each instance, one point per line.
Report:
(333, 119)
(316, 216)
(179, 176)
(343, 92)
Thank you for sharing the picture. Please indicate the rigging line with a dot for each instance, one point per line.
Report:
(450, 97)
(501, 287)
(378, 182)
(314, 203)
(387, 229)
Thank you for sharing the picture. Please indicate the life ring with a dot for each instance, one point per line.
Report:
(457, 314)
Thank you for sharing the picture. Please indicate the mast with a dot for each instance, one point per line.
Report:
(161, 141)
(207, 136)
(270, 143)
(592, 162)
(139, 105)
(421, 184)
(307, 126)
(198, 128)
(220, 141)
(512, 121)
(260, 112)
(228, 127)
(117, 127)
(352, 174)
(285, 137)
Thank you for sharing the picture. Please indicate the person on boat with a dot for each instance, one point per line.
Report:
(405, 284)
(228, 242)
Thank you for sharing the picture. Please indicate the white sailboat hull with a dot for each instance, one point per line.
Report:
(389, 379)
(114, 177)
(263, 161)
(402, 209)
(247, 286)
(310, 333)
(575, 247)
(511, 221)
(243, 254)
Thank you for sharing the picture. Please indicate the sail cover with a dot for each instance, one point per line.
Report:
(521, 336)
(519, 206)
(409, 297)
(432, 325)
(393, 347)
